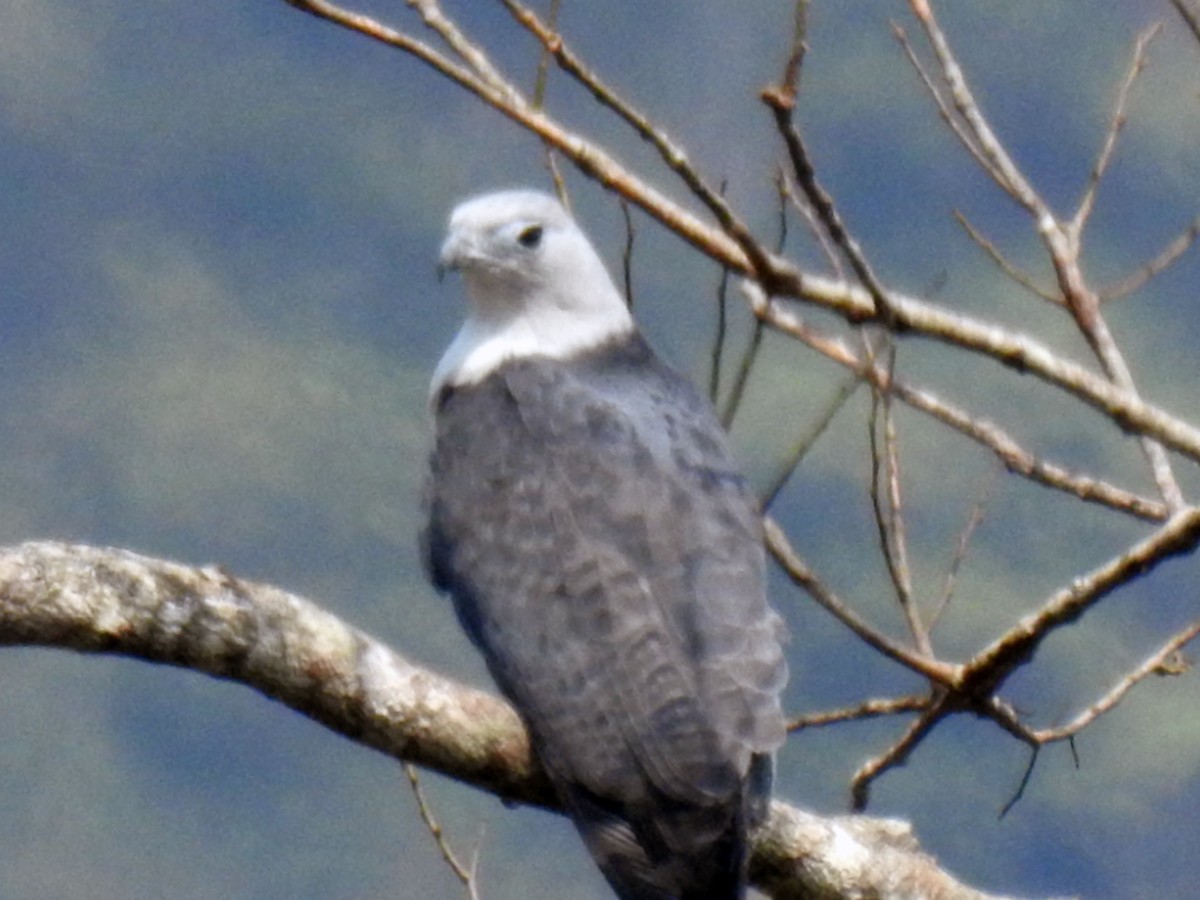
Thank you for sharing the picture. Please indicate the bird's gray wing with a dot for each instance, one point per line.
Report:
(613, 580)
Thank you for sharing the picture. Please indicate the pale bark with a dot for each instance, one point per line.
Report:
(104, 600)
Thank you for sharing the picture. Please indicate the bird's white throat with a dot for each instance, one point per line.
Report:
(487, 341)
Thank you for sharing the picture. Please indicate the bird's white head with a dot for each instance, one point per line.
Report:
(536, 286)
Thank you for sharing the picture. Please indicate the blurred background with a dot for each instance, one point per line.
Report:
(218, 316)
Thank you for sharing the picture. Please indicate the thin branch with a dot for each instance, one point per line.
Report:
(669, 151)
(888, 507)
(1014, 457)
(790, 80)
(867, 709)
(991, 667)
(541, 80)
(945, 110)
(469, 52)
(1115, 126)
(782, 192)
(1062, 241)
(1162, 662)
(462, 873)
(627, 253)
(718, 346)
(789, 561)
(468, 77)
(543, 66)
(1023, 783)
(741, 378)
(1169, 255)
(961, 547)
(997, 162)
(844, 391)
(815, 230)
(896, 755)
(1015, 273)
(782, 107)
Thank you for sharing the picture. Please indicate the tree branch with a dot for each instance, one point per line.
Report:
(780, 277)
(99, 600)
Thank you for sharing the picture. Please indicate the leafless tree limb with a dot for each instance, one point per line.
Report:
(897, 754)
(1062, 239)
(1015, 458)
(851, 846)
(1115, 127)
(992, 666)
(868, 709)
(804, 577)
(1169, 255)
(962, 545)
(731, 246)
(994, 253)
(465, 874)
(811, 435)
(97, 600)
(888, 506)
(1163, 661)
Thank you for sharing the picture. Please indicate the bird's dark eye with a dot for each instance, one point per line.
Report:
(531, 236)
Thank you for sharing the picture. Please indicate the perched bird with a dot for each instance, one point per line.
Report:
(605, 554)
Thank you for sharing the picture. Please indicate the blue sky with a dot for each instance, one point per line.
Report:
(218, 224)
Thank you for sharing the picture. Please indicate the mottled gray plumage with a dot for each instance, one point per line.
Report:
(605, 555)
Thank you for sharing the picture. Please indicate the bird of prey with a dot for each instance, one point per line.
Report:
(604, 554)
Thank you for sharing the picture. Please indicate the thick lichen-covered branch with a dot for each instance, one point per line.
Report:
(98, 600)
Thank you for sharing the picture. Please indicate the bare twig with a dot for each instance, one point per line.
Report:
(1161, 662)
(867, 709)
(795, 568)
(463, 873)
(868, 772)
(977, 134)
(466, 50)
(1116, 125)
(961, 547)
(741, 378)
(993, 665)
(887, 504)
(814, 229)
(541, 80)
(1015, 273)
(1062, 239)
(782, 107)
(790, 82)
(1170, 254)
(669, 151)
(627, 253)
(1034, 754)
(1014, 457)
(718, 345)
(811, 435)
(945, 110)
